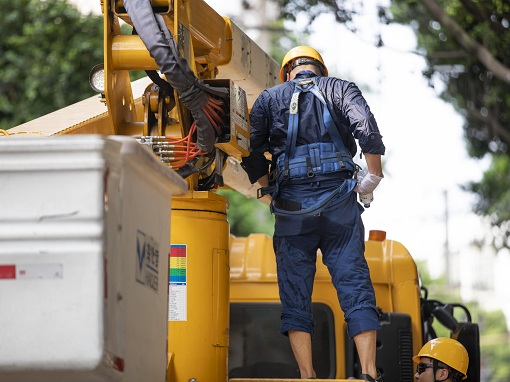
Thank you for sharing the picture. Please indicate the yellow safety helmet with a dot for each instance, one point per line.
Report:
(311, 56)
(447, 351)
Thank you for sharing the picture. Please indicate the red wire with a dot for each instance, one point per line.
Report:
(214, 112)
(185, 152)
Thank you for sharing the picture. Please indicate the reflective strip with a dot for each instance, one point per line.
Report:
(294, 103)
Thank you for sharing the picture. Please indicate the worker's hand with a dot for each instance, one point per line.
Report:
(368, 184)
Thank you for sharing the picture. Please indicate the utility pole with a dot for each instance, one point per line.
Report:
(446, 241)
(263, 18)
(265, 38)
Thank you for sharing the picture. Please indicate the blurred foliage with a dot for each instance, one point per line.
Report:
(247, 215)
(494, 198)
(494, 349)
(343, 10)
(458, 61)
(467, 48)
(47, 49)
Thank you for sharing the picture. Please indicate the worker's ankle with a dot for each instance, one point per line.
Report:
(368, 377)
(309, 376)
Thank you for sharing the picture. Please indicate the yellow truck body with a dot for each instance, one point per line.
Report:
(394, 275)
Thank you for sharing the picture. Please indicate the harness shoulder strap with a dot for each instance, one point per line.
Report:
(305, 85)
(292, 130)
(329, 123)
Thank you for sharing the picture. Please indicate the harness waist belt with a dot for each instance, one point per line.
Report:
(314, 158)
(305, 161)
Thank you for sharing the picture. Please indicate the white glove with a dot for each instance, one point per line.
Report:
(368, 184)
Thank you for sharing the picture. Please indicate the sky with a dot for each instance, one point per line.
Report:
(426, 160)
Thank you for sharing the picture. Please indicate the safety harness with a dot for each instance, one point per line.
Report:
(306, 161)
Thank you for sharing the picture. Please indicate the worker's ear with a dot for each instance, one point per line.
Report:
(444, 374)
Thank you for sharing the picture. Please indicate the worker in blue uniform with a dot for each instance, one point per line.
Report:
(309, 124)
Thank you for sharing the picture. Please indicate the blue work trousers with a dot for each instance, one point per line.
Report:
(338, 232)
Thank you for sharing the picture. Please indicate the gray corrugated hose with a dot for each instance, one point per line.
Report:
(192, 92)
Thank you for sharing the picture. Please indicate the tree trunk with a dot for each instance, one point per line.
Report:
(467, 43)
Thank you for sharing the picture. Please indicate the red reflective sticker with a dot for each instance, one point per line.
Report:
(118, 363)
(7, 271)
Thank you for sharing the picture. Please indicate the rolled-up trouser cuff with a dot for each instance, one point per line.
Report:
(293, 319)
(361, 319)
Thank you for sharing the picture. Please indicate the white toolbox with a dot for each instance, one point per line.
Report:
(84, 243)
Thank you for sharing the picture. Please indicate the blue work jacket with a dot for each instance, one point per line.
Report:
(269, 119)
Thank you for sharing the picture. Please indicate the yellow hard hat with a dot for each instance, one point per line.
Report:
(301, 52)
(447, 351)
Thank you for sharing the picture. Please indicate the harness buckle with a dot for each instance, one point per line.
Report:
(305, 84)
(262, 191)
(341, 161)
(286, 175)
(309, 167)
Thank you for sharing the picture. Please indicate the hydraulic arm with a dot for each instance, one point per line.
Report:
(203, 75)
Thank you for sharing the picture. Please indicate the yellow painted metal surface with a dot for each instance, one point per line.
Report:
(119, 96)
(287, 380)
(199, 344)
(89, 116)
(392, 269)
(130, 53)
(395, 278)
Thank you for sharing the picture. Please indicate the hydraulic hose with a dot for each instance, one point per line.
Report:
(192, 92)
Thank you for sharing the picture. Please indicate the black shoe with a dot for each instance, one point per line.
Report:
(367, 377)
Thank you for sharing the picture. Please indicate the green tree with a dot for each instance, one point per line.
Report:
(47, 48)
(247, 215)
(343, 10)
(467, 47)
